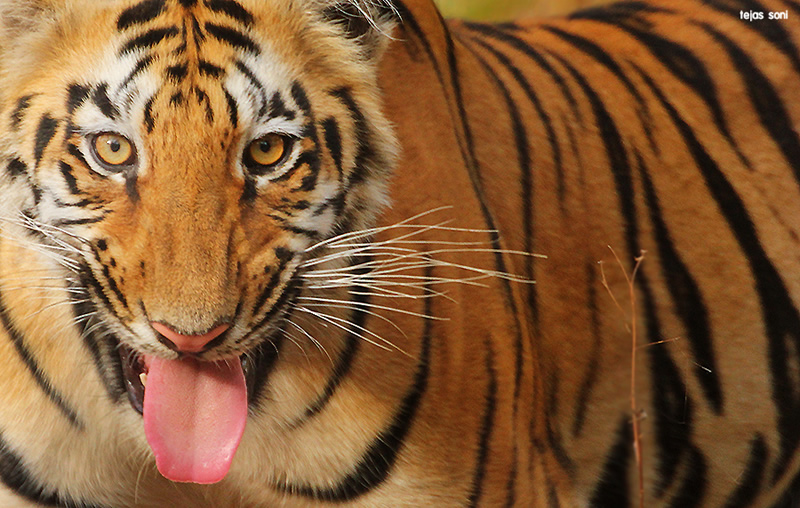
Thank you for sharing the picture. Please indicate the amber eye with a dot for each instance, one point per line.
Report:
(113, 151)
(266, 152)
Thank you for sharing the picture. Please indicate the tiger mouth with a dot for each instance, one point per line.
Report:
(135, 369)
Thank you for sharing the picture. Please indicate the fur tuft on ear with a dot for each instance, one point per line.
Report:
(367, 22)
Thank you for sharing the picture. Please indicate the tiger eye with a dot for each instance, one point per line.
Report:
(113, 150)
(268, 150)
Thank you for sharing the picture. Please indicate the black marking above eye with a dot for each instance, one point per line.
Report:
(231, 9)
(140, 13)
(149, 39)
(149, 120)
(232, 37)
(233, 109)
(103, 102)
(209, 69)
(76, 95)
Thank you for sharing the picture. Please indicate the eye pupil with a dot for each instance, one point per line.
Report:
(267, 152)
(113, 151)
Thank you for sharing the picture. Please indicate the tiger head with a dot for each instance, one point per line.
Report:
(187, 158)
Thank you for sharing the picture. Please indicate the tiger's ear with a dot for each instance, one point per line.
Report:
(370, 23)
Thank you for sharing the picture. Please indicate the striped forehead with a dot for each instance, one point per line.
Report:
(183, 52)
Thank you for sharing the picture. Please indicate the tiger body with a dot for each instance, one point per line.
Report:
(376, 279)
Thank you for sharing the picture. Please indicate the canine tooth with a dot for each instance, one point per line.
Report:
(143, 378)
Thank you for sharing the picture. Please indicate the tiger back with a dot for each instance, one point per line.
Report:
(314, 253)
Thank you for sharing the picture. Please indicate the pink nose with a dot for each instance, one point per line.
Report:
(188, 343)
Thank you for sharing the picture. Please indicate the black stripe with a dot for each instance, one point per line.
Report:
(527, 181)
(774, 32)
(140, 66)
(382, 454)
(188, 3)
(76, 152)
(766, 102)
(689, 69)
(752, 479)
(103, 102)
(344, 362)
(602, 57)
(622, 11)
(592, 372)
(695, 482)
(333, 140)
(555, 440)
(149, 39)
(284, 257)
(249, 192)
(487, 426)
(363, 137)
(16, 476)
(262, 361)
(16, 168)
(100, 342)
(131, 188)
(23, 103)
(617, 157)
(233, 110)
(686, 297)
(140, 13)
(494, 32)
(80, 222)
(18, 340)
(301, 99)
(149, 121)
(284, 224)
(112, 285)
(177, 99)
(210, 70)
(673, 407)
(614, 487)
(197, 32)
(76, 95)
(231, 9)
(780, 317)
(177, 72)
(469, 157)
(277, 107)
(511, 489)
(72, 182)
(232, 37)
(44, 134)
(309, 182)
(202, 98)
(259, 87)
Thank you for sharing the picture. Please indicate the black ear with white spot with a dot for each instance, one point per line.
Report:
(368, 22)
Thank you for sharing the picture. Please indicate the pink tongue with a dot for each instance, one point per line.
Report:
(194, 417)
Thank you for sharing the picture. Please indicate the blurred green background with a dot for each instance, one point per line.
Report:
(498, 10)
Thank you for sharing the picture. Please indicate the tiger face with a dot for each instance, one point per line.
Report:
(188, 157)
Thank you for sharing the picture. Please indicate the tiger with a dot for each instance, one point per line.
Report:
(305, 253)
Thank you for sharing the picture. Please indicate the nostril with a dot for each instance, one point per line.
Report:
(186, 343)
